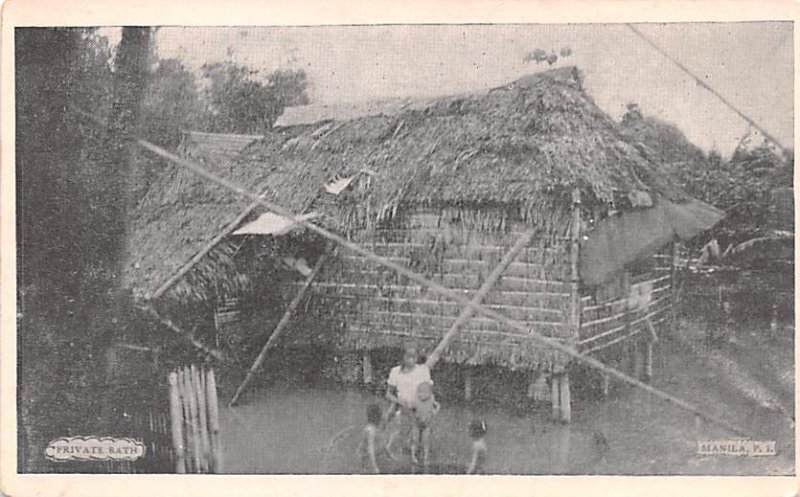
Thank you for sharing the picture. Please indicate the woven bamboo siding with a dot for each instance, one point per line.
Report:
(608, 323)
(380, 308)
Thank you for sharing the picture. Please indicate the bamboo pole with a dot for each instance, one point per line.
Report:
(176, 419)
(213, 421)
(574, 287)
(202, 253)
(172, 326)
(467, 312)
(282, 324)
(195, 424)
(519, 327)
(562, 409)
(187, 422)
(203, 420)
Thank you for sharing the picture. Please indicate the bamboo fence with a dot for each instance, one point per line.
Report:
(194, 414)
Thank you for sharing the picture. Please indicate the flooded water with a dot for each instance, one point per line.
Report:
(286, 428)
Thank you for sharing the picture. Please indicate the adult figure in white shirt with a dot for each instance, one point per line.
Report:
(402, 386)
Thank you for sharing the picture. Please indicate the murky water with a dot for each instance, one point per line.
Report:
(301, 429)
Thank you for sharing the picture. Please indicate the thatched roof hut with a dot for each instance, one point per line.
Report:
(443, 185)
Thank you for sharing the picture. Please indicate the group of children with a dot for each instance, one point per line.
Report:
(410, 392)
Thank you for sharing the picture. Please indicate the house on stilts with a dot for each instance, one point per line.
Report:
(445, 187)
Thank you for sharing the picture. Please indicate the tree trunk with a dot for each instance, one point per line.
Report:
(111, 221)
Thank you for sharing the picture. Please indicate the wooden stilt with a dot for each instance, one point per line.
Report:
(555, 401)
(564, 398)
(176, 418)
(606, 384)
(648, 361)
(366, 362)
(532, 378)
(467, 383)
(213, 421)
(638, 356)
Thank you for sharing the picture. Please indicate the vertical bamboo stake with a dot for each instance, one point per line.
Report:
(195, 423)
(213, 421)
(554, 396)
(177, 423)
(467, 383)
(366, 367)
(566, 408)
(187, 421)
(202, 413)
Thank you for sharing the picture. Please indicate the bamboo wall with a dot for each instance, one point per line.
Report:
(380, 308)
(647, 297)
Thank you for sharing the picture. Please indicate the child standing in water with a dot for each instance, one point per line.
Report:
(369, 446)
(477, 430)
(423, 411)
(402, 387)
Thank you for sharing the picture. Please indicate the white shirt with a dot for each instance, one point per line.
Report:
(407, 382)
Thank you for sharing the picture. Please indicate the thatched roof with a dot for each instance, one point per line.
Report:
(523, 146)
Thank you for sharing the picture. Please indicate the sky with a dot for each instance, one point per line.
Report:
(750, 64)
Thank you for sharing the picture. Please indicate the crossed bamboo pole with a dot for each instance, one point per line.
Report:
(524, 332)
(282, 326)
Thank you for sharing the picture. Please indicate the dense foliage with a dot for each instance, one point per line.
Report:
(753, 186)
(76, 177)
(238, 101)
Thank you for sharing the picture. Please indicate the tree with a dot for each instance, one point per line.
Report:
(171, 103)
(237, 101)
(171, 106)
(750, 187)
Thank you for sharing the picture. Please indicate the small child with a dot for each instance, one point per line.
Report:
(477, 430)
(423, 410)
(368, 447)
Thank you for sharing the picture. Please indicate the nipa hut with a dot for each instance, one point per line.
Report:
(445, 187)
